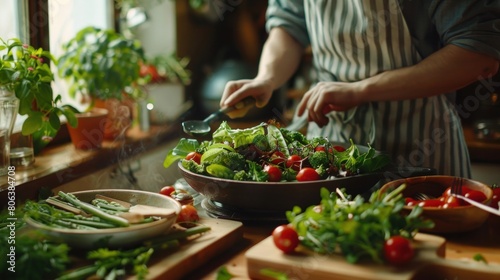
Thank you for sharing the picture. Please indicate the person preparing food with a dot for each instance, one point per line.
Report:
(386, 70)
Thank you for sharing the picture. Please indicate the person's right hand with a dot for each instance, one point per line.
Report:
(235, 91)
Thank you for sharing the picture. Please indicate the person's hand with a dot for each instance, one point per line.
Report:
(235, 91)
(326, 97)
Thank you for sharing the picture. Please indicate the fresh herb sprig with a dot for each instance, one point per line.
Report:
(35, 258)
(358, 228)
(110, 264)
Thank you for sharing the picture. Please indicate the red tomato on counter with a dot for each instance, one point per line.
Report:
(285, 238)
(167, 190)
(188, 214)
(398, 250)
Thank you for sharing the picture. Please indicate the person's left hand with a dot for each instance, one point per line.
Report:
(326, 97)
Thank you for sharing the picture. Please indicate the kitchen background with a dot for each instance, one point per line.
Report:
(223, 40)
(232, 34)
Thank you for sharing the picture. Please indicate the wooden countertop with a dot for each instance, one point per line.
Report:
(62, 163)
(463, 246)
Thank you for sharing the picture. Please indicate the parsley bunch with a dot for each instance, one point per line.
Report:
(358, 228)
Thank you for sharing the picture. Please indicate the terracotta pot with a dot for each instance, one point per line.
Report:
(89, 132)
(119, 116)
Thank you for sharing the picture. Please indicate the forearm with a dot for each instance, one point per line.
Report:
(280, 57)
(448, 69)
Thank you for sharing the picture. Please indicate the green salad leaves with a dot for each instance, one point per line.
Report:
(246, 154)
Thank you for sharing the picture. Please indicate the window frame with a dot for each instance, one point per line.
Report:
(38, 23)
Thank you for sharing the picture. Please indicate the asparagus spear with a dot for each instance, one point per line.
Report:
(91, 209)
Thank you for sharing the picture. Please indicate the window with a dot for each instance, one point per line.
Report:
(33, 20)
(48, 24)
(13, 15)
(66, 17)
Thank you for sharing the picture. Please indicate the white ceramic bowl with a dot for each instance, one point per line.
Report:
(115, 237)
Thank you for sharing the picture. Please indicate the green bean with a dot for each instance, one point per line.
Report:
(89, 223)
(110, 205)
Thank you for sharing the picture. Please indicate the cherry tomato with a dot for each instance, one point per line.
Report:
(430, 203)
(409, 200)
(188, 214)
(196, 157)
(339, 148)
(320, 149)
(273, 172)
(285, 238)
(167, 190)
(294, 162)
(475, 195)
(398, 250)
(150, 70)
(447, 192)
(450, 202)
(307, 174)
(277, 158)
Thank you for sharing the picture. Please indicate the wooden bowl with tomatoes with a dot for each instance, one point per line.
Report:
(449, 214)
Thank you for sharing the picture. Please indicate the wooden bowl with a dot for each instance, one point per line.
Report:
(447, 220)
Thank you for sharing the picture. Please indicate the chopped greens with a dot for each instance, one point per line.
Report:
(237, 137)
(184, 147)
(34, 258)
(355, 228)
(239, 150)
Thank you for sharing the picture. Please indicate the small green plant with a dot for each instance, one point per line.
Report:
(101, 63)
(24, 70)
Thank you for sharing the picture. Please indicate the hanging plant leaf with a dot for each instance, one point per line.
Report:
(32, 123)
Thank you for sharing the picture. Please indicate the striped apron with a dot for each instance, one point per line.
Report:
(356, 39)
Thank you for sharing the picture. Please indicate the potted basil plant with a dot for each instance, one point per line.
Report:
(25, 71)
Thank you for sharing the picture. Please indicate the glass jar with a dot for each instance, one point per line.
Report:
(9, 106)
(22, 154)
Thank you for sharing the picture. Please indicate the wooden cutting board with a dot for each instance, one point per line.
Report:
(429, 263)
(180, 261)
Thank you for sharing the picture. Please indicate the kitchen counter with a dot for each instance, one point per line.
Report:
(62, 164)
(463, 246)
